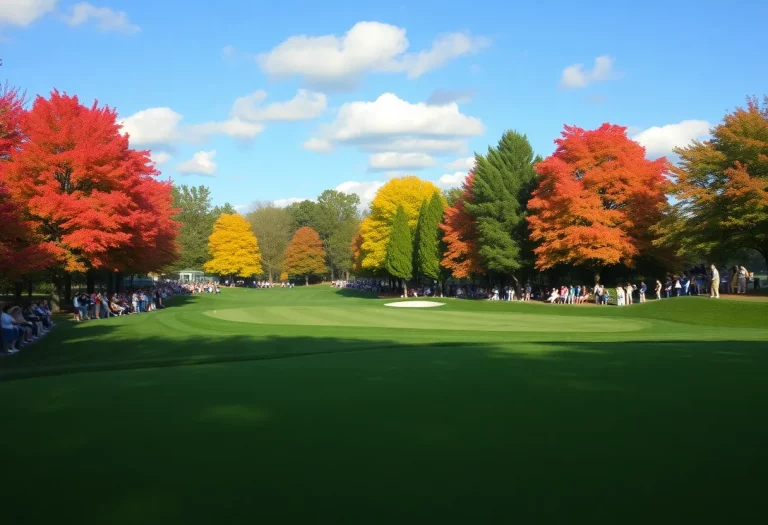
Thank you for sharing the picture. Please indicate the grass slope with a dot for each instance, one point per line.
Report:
(320, 406)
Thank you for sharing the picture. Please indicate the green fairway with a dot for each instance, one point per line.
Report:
(315, 405)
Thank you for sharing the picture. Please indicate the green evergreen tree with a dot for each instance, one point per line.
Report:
(399, 259)
(504, 180)
(428, 246)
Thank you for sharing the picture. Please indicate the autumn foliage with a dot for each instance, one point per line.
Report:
(721, 189)
(234, 248)
(409, 192)
(91, 201)
(304, 255)
(597, 197)
(459, 227)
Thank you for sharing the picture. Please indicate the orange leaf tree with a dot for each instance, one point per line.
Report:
(461, 255)
(721, 189)
(597, 197)
(305, 255)
(93, 201)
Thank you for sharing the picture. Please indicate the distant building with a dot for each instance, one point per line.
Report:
(191, 276)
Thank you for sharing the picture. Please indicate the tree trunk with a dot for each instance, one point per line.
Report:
(306, 280)
(56, 293)
(18, 289)
(110, 283)
(131, 281)
(405, 288)
(67, 289)
(597, 277)
(29, 288)
(90, 281)
(119, 281)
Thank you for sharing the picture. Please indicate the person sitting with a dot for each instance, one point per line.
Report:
(11, 334)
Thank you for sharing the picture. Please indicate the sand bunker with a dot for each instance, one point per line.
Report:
(414, 304)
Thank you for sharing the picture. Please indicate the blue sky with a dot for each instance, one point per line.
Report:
(281, 100)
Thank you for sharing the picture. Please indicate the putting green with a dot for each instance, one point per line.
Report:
(380, 317)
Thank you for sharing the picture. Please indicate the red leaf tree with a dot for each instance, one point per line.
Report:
(304, 255)
(597, 197)
(94, 202)
(19, 252)
(461, 255)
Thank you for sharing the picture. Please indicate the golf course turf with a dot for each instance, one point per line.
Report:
(316, 405)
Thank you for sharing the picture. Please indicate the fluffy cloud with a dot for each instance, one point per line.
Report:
(153, 126)
(399, 161)
(162, 126)
(201, 163)
(365, 190)
(394, 126)
(464, 163)
(452, 181)
(160, 157)
(305, 105)
(660, 141)
(441, 97)
(105, 18)
(339, 61)
(389, 116)
(24, 12)
(576, 77)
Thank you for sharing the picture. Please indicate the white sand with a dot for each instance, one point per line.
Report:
(414, 304)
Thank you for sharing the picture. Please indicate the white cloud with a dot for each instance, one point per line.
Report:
(162, 126)
(390, 116)
(444, 49)
(201, 163)
(332, 60)
(160, 157)
(24, 12)
(660, 141)
(282, 203)
(464, 163)
(576, 77)
(318, 145)
(153, 126)
(365, 190)
(229, 52)
(452, 181)
(400, 161)
(305, 105)
(240, 208)
(391, 125)
(105, 18)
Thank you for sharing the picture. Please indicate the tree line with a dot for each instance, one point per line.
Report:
(75, 199)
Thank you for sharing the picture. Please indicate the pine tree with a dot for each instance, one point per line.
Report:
(504, 180)
(429, 246)
(399, 258)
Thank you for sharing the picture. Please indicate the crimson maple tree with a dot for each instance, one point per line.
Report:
(597, 197)
(19, 252)
(93, 201)
(461, 255)
(305, 256)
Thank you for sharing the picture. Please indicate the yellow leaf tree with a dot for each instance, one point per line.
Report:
(409, 192)
(234, 249)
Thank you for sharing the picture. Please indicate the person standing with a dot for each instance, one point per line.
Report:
(658, 289)
(715, 290)
(643, 289)
(742, 280)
